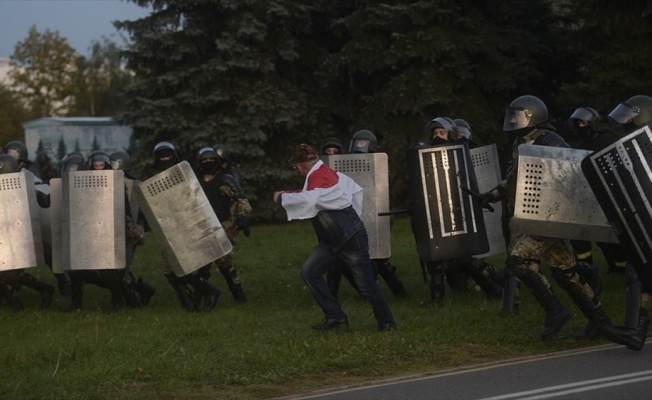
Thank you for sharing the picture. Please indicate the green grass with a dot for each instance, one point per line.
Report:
(264, 348)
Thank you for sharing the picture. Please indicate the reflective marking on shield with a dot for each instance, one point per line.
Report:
(553, 198)
(621, 178)
(370, 171)
(21, 243)
(446, 222)
(182, 219)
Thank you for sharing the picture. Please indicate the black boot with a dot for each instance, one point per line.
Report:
(436, 271)
(391, 278)
(44, 289)
(485, 276)
(182, 292)
(145, 291)
(556, 314)
(7, 294)
(634, 339)
(634, 294)
(76, 290)
(233, 282)
(590, 307)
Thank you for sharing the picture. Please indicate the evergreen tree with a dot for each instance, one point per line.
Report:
(61, 150)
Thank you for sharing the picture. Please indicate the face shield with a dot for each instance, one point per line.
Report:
(13, 152)
(116, 164)
(359, 146)
(516, 118)
(623, 114)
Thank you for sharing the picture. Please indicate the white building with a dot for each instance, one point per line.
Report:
(77, 133)
(4, 70)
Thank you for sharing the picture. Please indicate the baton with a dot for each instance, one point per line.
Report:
(395, 212)
(477, 197)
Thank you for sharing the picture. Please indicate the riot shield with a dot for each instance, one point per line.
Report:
(553, 198)
(182, 219)
(93, 220)
(133, 204)
(55, 225)
(620, 175)
(370, 171)
(21, 243)
(487, 172)
(447, 223)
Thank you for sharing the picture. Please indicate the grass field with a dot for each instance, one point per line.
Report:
(264, 348)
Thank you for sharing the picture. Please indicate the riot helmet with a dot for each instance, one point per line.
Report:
(331, 146)
(208, 160)
(463, 128)
(72, 162)
(120, 160)
(165, 155)
(523, 114)
(16, 149)
(363, 141)
(633, 113)
(222, 152)
(98, 160)
(8, 164)
(584, 121)
(450, 130)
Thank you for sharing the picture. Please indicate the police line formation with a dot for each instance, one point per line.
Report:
(557, 197)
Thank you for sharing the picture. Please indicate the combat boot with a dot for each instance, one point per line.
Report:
(391, 278)
(145, 291)
(595, 325)
(182, 292)
(634, 339)
(44, 289)
(233, 282)
(63, 284)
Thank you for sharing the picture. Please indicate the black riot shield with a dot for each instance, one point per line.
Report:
(620, 175)
(447, 223)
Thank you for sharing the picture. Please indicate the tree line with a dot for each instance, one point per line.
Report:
(261, 76)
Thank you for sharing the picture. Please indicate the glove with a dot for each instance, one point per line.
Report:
(136, 235)
(486, 201)
(242, 224)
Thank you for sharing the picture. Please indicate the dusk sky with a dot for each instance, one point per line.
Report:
(79, 21)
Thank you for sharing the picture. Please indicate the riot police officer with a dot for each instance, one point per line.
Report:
(12, 280)
(526, 118)
(231, 207)
(633, 114)
(193, 290)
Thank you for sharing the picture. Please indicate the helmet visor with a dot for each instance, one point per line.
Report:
(516, 118)
(581, 114)
(13, 152)
(359, 146)
(623, 114)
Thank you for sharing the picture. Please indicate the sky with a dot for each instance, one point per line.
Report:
(79, 21)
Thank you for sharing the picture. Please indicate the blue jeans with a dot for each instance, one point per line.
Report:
(354, 254)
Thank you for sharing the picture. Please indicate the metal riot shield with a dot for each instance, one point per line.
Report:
(182, 219)
(369, 170)
(553, 198)
(487, 172)
(93, 220)
(446, 222)
(55, 225)
(21, 243)
(620, 175)
(133, 204)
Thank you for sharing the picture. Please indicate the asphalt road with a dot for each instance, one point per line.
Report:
(606, 372)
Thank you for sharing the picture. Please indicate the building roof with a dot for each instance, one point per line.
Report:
(58, 121)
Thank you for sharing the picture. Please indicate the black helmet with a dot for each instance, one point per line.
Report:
(636, 111)
(16, 149)
(222, 152)
(8, 164)
(208, 160)
(97, 156)
(525, 112)
(120, 160)
(463, 128)
(446, 123)
(165, 155)
(363, 141)
(331, 142)
(72, 162)
(587, 115)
